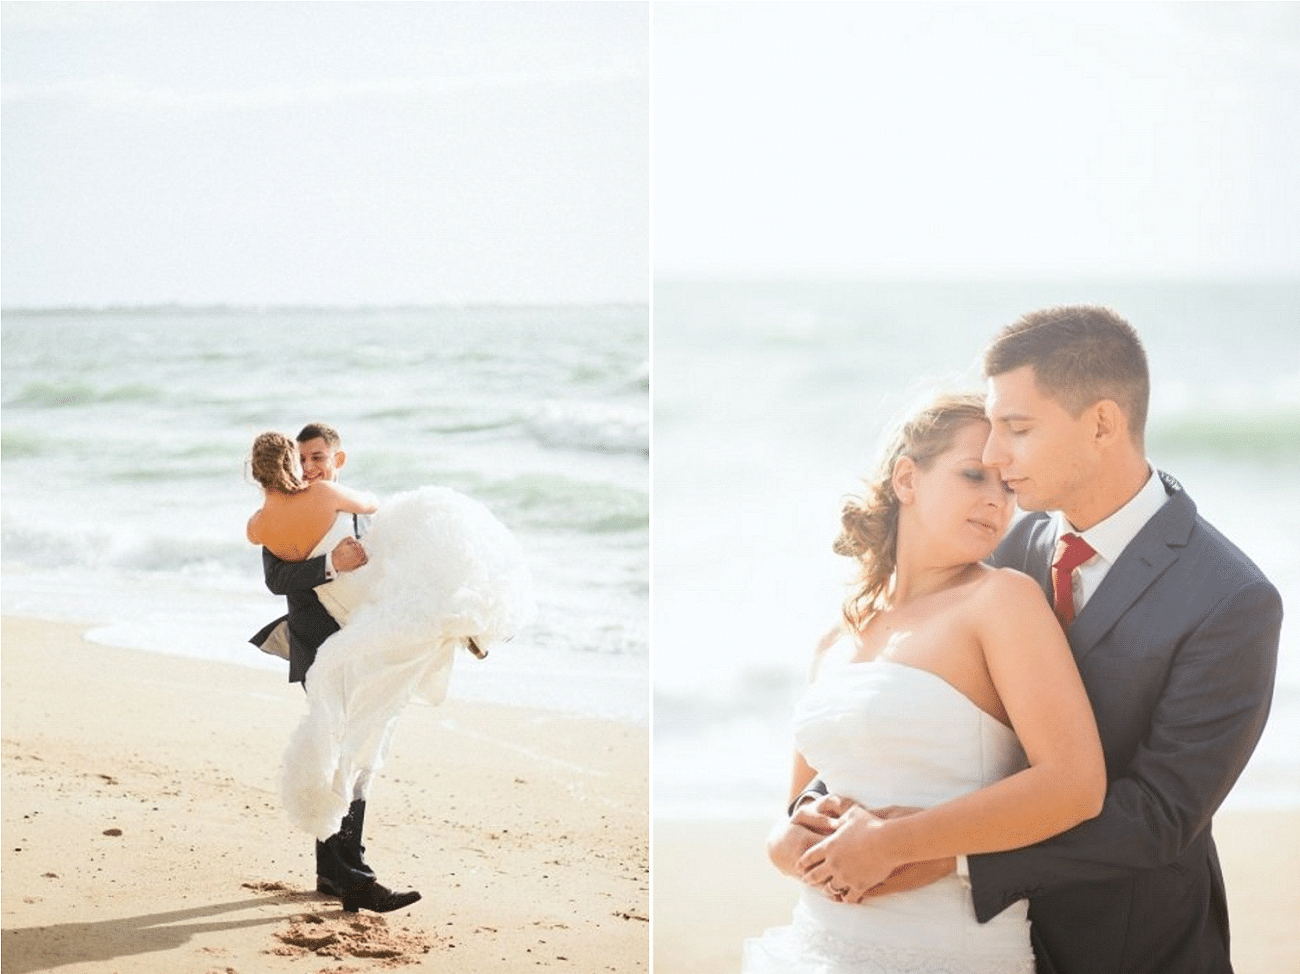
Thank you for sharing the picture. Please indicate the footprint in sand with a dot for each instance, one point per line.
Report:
(351, 936)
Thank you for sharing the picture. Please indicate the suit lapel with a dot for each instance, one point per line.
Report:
(1147, 557)
(1038, 560)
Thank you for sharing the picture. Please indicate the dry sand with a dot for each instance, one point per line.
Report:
(713, 888)
(143, 833)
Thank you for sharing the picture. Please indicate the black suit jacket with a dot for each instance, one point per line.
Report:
(1177, 649)
(310, 624)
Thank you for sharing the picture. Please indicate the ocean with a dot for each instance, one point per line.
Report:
(770, 398)
(125, 487)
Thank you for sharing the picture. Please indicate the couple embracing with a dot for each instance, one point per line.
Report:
(1011, 747)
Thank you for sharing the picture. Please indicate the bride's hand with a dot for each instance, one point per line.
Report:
(823, 814)
(850, 861)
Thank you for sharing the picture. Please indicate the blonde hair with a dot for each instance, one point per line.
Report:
(869, 518)
(274, 463)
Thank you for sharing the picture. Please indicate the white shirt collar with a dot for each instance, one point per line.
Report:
(1112, 535)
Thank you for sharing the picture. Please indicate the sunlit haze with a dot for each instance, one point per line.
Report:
(325, 153)
(977, 139)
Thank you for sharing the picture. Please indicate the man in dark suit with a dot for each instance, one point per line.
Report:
(341, 869)
(1175, 632)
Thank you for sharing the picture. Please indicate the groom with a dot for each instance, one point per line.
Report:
(1175, 632)
(341, 869)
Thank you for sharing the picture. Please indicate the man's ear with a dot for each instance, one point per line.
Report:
(904, 479)
(1109, 422)
(340, 458)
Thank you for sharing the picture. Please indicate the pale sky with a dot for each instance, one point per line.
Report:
(976, 139)
(324, 153)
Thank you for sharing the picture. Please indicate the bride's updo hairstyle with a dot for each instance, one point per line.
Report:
(869, 519)
(273, 463)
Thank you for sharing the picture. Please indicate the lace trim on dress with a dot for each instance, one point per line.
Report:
(862, 958)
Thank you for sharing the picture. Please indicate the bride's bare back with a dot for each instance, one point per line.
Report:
(291, 525)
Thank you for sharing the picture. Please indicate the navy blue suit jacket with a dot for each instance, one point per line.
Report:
(310, 623)
(1177, 649)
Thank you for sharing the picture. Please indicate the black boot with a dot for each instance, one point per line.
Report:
(354, 853)
(371, 895)
(340, 860)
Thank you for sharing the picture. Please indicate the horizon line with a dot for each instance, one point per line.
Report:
(263, 307)
(753, 274)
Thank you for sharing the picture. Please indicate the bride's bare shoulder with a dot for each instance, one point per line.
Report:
(1007, 583)
(253, 529)
(1003, 593)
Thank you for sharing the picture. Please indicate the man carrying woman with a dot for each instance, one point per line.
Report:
(297, 527)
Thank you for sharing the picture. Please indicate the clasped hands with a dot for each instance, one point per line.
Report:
(833, 844)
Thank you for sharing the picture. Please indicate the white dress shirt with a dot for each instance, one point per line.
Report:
(1109, 538)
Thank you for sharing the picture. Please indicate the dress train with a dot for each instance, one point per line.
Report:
(441, 570)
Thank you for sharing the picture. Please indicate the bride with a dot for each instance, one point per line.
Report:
(948, 703)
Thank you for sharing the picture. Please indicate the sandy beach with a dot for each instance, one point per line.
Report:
(699, 925)
(143, 830)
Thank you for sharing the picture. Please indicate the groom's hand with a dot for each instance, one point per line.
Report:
(787, 842)
(811, 822)
(348, 554)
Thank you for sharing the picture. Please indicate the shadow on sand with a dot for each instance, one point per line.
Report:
(29, 949)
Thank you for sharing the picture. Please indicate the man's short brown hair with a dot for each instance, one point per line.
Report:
(321, 431)
(1080, 354)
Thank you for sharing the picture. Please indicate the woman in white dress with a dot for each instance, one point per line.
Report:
(948, 703)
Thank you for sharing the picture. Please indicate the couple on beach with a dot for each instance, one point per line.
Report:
(370, 626)
(1011, 747)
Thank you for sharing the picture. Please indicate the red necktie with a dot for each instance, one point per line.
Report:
(1071, 552)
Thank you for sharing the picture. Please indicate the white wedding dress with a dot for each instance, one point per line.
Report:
(885, 733)
(441, 569)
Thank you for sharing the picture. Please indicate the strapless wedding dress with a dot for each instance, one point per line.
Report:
(441, 570)
(885, 733)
